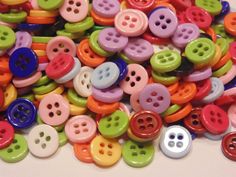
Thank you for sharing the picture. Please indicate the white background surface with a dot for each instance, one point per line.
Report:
(204, 160)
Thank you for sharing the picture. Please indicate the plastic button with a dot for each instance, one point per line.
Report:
(6, 134)
(228, 145)
(105, 8)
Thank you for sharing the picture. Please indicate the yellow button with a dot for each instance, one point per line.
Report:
(217, 56)
(59, 90)
(75, 110)
(13, 2)
(105, 152)
(43, 13)
(10, 94)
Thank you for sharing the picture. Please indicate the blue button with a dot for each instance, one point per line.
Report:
(225, 9)
(21, 113)
(231, 84)
(23, 62)
(29, 27)
(123, 69)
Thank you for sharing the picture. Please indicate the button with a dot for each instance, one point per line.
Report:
(217, 137)
(80, 27)
(138, 50)
(144, 6)
(171, 110)
(6, 134)
(136, 79)
(154, 39)
(50, 5)
(13, 2)
(134, 101)
(225, 9)
(110, 40)
(228, 145)
(43, 141)
(181, 5)
(199, 75)
(231, 114)
(54, 109)
(4, 8)
(155, 97)
(224, 46)
(99, 20)
(82, 81)
(114, 125)
(199, 16)
(16, 152)
(80, 129)
(105, 75)
(1, 97)
(105, 152)
(109, 95)
(184, 34)
(24, 82)
(59, 66)
(62, 45)
(13, 16)
(145, 124)
(137, 154)
(232, 50)
(176, 142)
(214, 119)
(105, 8)
(21, 113)
(122, 68)
(163, 22)
(203, 89)
(74, 98)
(214, 7)
(23, 62)
(160, 48)
(74, 10)
(10, 94)
(82, 152)
(7, 37)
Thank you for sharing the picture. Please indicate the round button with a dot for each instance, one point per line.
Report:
(105, 75)
(199, 75)
(80, 129)
(43, 141)
(228, 145)
(203, 89)
(145, 124)
(21, 113)
(163, 22)
(214, 7)
(230, 23)
(23, 62)
(82, 152)
(176, 142)
(105, 8)
(105, 152)
(144, 6)
(1, 97)
(7, 37)
(6, 134)
(155, 97)
(231, 114)
(232, 50)
(181, 5)
(50, 5)
(214, 119)
(137, 154)
(114, 125)
(54, 109)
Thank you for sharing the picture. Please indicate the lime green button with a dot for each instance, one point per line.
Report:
(74, 98)
(62, 137)
(164, 79)
(200, 51)
(46, 88)
(220, 30)
(50, 4)
(41, 39)
(223, 70)
(95, 28)
(93, 43)
(69, 35)
(125, 58)
(114, 125)
(214, 7)
(171, 110)
(28, 97)
(82, 26)
(13, 17)
(7, 37)
(224, 45)
(137, 154)
(16, 152)
(42, 81)
(165, 61)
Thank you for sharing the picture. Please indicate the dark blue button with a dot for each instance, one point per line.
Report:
(225, 9)
(23, 62)
(122, 68)
(29, 27)
(21, 113)
(231, 84)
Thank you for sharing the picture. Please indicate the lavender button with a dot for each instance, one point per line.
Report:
(106, 8)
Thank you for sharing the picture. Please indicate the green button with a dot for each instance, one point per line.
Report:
(114, 125)
(125, 58)
(7, 37)
(16, 152)
(214, 7)
(171, 110)
(70, 35)
(82, 26)
(200, 51)
(41, 39)
(138, 154)
(28, 97)
(224, 45)
(93, 43)
(42, 81)
(58, 128)
(46, 88)
(165, 61)
(50, 4)
(223, 70)
(74, 98)
(62, 137)
(13, 17)
(164, 79)
(95, 28)
(220, 30)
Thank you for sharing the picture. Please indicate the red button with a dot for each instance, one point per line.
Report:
(6, 134)
(1, 97)
(193, 123)
(199, 16)
(181, 4)
(203, 89)
(181, 15)
(214, 119)
(225, 100)
(232, 51)
(154, 39)
(145, 124)
(228, 145)
(59, 66)
(4, 8)
(142, 5)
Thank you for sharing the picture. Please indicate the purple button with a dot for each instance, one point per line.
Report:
(184, 34)
(23, 39)
(138, 50)
(111, 40)
(109, 95)
(199, 75)
(106, 8)
(163, 22)
(155, 97)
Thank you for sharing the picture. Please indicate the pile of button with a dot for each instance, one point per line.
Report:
(111, 77)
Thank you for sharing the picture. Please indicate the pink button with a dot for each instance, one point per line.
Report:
(60, 44)
(80, 129)
(54, 109)
(74, 10)
(232, 114)
(229, 75)
(19, 82)
(136, 79)
(134, 102)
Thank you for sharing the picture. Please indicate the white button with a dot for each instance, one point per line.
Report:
(43, 140)
(176, 142)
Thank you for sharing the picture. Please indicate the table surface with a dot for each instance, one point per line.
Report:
(205, 159)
